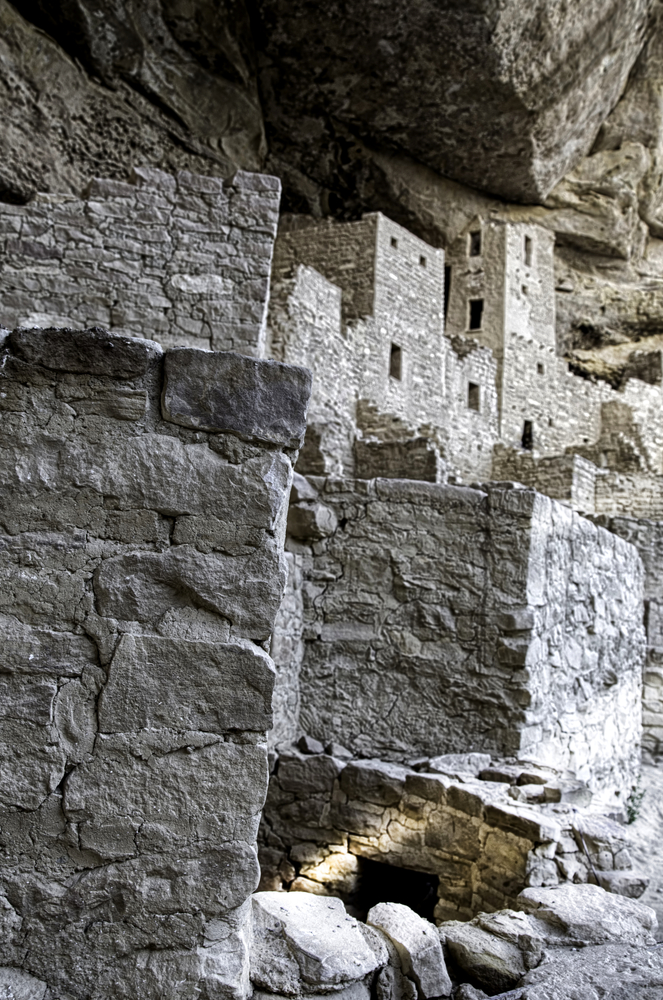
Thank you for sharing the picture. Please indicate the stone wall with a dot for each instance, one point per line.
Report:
(567, 478)
(305, 327)
(325, 815)
(141, 570)
(647, 536)
(440, 619)
(344, 299)
(184, 259)
(534, 384)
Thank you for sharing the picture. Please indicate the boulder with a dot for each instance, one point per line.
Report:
(497, 949)
(418, 946)
(307, 944)
(494, 948)
(459, 765)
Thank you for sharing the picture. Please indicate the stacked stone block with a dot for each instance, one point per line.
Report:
(186, 258)
(141, 568)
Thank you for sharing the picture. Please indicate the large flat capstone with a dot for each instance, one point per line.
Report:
(258, 400)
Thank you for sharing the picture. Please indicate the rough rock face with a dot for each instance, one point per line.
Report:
(141, 568)
(138, 95)
(506, 99)
(306, 944)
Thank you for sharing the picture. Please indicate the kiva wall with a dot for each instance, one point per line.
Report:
(184, 259)
(440, 619)
(141, 569)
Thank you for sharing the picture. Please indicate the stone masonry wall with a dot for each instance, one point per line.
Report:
(184, 259)
(570, 479)
(325, 815)
(141, 570)
(440, 619)
(305, 327)
(518, 324)
(389, 289)
(647, 536)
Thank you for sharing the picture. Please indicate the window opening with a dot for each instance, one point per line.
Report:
(396, 362)
(447, 289)
(539, 367)
(394, 241)
(476, 313)
(528, 251)
(527, 441)
(422, 260)
(475, 243)
(473, 396)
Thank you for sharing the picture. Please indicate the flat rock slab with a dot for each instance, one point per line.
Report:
(89, 352)
(589, 914)
(258, 400)
(608, 972)
(418, 945)
(307, 944)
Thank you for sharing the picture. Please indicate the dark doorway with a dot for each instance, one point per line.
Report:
(527, 441)
(379, 883)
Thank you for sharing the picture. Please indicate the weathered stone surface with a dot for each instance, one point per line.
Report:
(18, 985)
(306, 944)
(418, 946)
(529, 122)
(402, 627)
(165, 101)
(89, 352)
(492, 961)
(155, 682)
(588, 914)
(132, 713)
(258, 400)
(455, 764)
(611, 971)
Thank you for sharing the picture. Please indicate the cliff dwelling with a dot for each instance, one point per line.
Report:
(331, 531)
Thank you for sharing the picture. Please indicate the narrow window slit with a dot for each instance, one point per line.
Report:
(396, 362)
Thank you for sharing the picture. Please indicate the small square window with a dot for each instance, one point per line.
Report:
(476, 314)
(528, 251)
(422, 260)
(473, 396)
(394, 241)
(475, 243)
(396, 362)
(540, 369)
